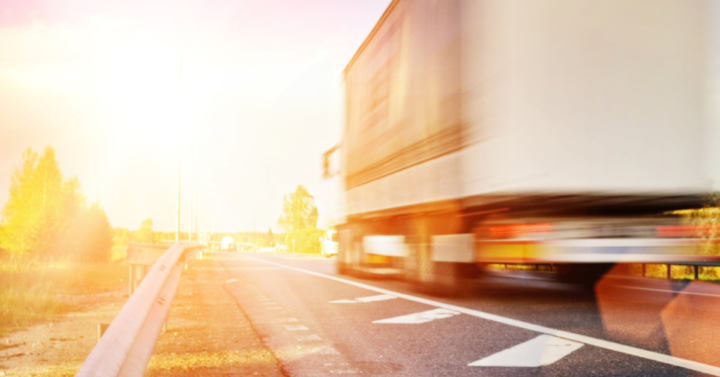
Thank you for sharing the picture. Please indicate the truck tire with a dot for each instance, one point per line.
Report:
(429, 276)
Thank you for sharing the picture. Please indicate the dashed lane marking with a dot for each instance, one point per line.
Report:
(295, 328)
(343, 302)
(617, 347)
(422, 317)
(230, 281)
(542, 350)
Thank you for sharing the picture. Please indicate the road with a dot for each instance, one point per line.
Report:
(319, 323)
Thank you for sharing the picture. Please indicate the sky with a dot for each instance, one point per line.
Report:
(251, 90)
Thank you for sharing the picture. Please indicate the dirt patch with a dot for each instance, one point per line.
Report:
(207, 334)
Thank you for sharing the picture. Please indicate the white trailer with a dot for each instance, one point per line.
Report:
(524, 131)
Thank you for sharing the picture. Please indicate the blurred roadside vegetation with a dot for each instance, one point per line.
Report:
(32, 291)
(299, 221)
(53, 244)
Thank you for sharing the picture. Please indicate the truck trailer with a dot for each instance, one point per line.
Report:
(563, 133)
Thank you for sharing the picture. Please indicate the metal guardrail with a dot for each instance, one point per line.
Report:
(126, 347)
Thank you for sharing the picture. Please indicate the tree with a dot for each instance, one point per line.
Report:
(90, 237)
(270, 237)
(299, 211)
(40, 207)
(306, 240)
(299, 220)
(17, 211)
(48, 217)
(145, 233)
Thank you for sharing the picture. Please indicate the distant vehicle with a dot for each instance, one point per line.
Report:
(227, 243)
(329, 243)
(477, 134)
(267, 250)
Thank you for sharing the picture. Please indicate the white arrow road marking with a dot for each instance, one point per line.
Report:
(421, 317)
(617, 347)
(543, 350)
(364, 299)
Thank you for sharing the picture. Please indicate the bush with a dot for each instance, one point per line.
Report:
(306, 241)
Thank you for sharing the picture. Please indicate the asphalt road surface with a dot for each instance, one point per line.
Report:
(319, 323)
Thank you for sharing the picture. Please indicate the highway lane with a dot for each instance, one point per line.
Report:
(320, 326)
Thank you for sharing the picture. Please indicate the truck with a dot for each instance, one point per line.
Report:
(227, 243)
(561, 133)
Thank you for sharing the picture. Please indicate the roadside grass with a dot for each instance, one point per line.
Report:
(31, 291)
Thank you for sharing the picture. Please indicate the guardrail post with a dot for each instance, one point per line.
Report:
(131, 281)
(695, 270)
(669, 271)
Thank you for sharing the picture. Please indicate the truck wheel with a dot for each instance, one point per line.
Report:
(428, 276)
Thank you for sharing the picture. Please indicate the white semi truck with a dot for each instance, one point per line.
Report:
(557, 132)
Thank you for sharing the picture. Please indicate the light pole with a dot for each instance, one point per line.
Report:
(192, 163)
(196, 182)
(179, 184)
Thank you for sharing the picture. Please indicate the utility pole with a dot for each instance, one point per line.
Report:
(177, 228)
(192, 182)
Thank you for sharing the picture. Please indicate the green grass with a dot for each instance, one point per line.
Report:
(29, 289)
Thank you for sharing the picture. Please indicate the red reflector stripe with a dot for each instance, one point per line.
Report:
(519, 229)
(686, 230)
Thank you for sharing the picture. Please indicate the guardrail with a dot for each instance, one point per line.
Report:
(126, 347)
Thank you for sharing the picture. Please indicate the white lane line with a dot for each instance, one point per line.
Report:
(295, 328)
(376, 298)
(364, 299)
(543, 350)
(230, 281)
(666, 290)
(617, 347)
(422, 317)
